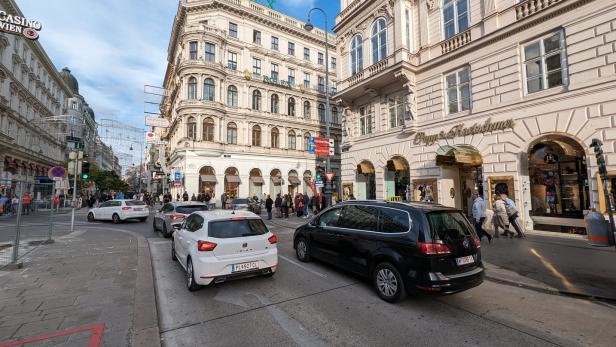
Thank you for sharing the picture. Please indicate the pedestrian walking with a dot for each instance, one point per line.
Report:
(299, 205)
(513, 214)
(223, 200)
(501, 220)
(185, 196)
(479, 214)
(27, 202)
(305, 201)
(269, 203)
(278, 205)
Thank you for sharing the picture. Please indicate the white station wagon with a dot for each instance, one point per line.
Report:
(120, 210)
(216, 246)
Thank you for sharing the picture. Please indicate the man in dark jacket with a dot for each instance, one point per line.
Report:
(269, 203)
(305, 201)
(185, 196)
(278, 204)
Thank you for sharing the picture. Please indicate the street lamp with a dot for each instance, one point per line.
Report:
(140, 161)
(309, 27)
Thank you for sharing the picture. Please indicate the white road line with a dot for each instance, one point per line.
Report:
(166, 242)
(302, 266)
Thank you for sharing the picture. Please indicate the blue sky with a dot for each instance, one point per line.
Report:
(115, 47)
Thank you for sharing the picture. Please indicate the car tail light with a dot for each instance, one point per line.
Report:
(238, 218)
(272, 239)
(175, 217)
(478, 243)
(429, 248)
(205, 246)
(126, 208)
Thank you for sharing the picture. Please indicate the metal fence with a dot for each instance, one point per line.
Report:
(27, 214)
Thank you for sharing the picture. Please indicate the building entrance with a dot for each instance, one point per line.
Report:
(462, 174)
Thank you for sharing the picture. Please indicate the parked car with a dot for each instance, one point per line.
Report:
(401, 247)
(120, 210)
(217, 246)
(240, 204)
(174, 213)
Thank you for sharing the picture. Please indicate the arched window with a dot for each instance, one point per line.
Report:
(307, 109)
(335, 119)
(208, 89)
(275, 104)
(455, 17)
(322, 113)
(191, 128)
(357, 54)
(256, 100)
(208, 129)
(291, 110)
(275, 138)
(292, 140)
(232, 96)
(192, 88)
(306, 141)
(232, 134)
(379, 40)
(256, 135)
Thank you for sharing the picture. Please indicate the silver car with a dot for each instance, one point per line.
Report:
(173, 213)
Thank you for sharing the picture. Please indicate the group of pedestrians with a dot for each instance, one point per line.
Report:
(300, 204)
(505, 215)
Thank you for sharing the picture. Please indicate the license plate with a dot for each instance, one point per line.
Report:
(245, 266)
(138, 209)
(465, 260)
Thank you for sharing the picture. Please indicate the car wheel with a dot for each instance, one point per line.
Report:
(143, 219)
(115, 218)
(388, 283)
(165, 232)
(190, 277)
(173, 256)
(90, 217)
(301, 250)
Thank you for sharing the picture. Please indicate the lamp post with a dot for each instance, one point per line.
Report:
(309, 27)
(140, 162)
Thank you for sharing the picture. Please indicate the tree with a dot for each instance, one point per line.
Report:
(106, 180)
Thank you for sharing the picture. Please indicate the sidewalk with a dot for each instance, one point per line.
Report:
(88, 287)
(543, 262)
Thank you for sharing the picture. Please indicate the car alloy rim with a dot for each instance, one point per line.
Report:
(386, 282)
(301, 249)
(190, 273)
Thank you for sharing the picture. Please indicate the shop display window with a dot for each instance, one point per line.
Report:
(425, 190)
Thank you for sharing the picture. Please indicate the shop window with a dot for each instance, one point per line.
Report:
(425, 190)
(458, 91)
(544, 63)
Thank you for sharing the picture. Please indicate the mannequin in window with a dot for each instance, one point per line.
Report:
(551, 182)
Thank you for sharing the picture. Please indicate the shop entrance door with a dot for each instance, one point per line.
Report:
(470, 181)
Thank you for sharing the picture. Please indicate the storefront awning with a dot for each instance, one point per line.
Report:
(294, 180)
(458, 155)
(209, 178)
(276, 180)
(365, 168)
(257, 179)
(233, 179)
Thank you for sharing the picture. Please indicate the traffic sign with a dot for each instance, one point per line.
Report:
(150, 136)
(321, 146)
(56, 171)
(156, 122)
(330, 176)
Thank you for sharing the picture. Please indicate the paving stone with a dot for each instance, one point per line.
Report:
(31, 306)
(20, 318)
(61, 302)
(39, 328)
(6, 332)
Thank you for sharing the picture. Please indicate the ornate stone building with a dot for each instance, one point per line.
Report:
(443, 97)
(246, 91)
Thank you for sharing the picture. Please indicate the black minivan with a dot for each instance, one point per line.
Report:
(401, 247)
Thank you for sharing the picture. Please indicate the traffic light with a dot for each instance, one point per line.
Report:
(85, 171)
(597, 145)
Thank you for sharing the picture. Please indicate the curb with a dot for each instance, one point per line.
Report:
(146, 331)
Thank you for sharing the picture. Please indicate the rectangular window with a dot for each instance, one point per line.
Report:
(408, 29)
(232, 30)
(193, 50)
(320, 58)
(458, 91)
(334, 87)
(232, 64)
(307, 80)
(274, 72)
(291, 77)
(544, 63)
(291, 48)
(333, 63)
(455, 17)
(274, 43)
(306, 53)
(321, 84)
(256, 37)
(396, 112)
(256, 66)
(366, 115)
(210, 52)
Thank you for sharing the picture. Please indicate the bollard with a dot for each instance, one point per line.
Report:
(17, 228)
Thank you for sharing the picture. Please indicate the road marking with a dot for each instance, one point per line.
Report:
(552, 269)
(302, 266)
(166, 242)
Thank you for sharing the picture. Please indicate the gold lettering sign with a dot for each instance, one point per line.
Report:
(459, 131)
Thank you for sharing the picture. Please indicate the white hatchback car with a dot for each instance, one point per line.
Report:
(216, 246)
(120, 210)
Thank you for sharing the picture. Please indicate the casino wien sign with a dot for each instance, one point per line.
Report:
(20, 25)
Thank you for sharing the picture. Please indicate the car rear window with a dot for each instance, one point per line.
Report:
(447, 225)
(135, 203)
(227, 229)
(190, 209)
(239, 202)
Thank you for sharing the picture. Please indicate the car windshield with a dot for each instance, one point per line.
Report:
(190, 209)
(239, 202)
(135, 203)
(446, 225)
(227, 229)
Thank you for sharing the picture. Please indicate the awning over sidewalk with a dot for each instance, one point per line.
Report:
(257, 179)
(233, 179)
(458, 155)
(294, 180)
(276, 180)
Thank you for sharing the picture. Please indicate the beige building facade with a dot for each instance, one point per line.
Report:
(245, 92)
(444, 97)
